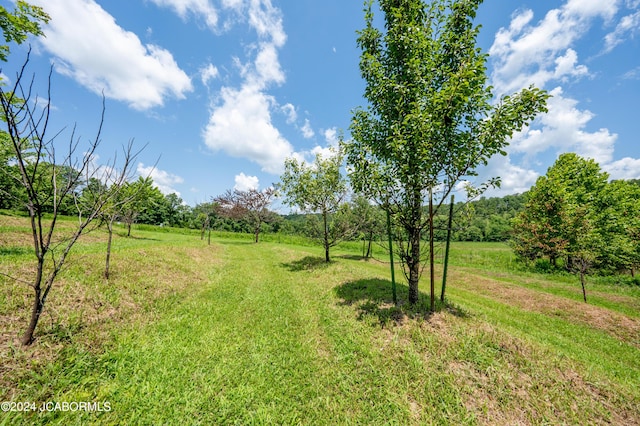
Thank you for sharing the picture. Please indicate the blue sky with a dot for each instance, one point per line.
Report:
(222, 91)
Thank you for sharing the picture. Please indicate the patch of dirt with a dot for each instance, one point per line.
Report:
(616, 324)
(522, 385)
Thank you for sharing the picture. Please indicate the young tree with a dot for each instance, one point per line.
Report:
(430, 120)
(369, 221)
(26, 120)
(318, 188)
(135, 197)
(251, 205)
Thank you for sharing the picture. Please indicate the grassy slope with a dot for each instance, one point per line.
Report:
(267, 333)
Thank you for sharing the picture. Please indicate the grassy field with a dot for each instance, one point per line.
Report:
(243, 333)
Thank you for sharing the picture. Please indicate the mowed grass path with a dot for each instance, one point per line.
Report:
(275, 336)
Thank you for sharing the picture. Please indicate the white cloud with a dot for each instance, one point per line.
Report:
(331, 136)
(525, 54)
(125, 69)
(244, 182)
(267, 21)
(563, 129)
(628, 26)
(267, 67)
(290, 111)
(323, 151)
(208, 73)
(200, 8)
(163, 180)
(240, 123)
(307, 131)
(542, 53)
(514, 179)
(241, 126)
(633, 74)
(626, 168)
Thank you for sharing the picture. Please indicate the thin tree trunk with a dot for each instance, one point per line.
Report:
(414, 265)
(36, 309)
(446, 251)
(106, 266)
(393, 274)
(369, 246)
(257, 233)
(584, 292)
(432, 278)
(326, 236)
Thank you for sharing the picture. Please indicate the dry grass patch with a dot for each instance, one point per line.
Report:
(85, 309)
(624, 328)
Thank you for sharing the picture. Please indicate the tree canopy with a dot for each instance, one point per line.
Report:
(318, 188)
(576, 215)
(17, 25)
(430, 119)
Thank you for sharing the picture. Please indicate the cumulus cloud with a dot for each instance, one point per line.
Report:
(163, 180)
(290, 111)
(240, 123)
(126, 70)
(332, 137)
(525, 54)
(543, 53)
(241, 126)
(626, 168)
(245, 183)
(563, 129)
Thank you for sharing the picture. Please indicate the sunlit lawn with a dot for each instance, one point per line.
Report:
(237, 333)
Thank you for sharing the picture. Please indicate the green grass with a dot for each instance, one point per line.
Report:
(239, 333)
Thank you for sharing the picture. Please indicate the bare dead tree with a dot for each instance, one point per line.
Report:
(251, 205)
(26, 118)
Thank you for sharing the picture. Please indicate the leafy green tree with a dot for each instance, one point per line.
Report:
(574, 213)
(619, 219)
(562, 206)
(538, 231)
(17, 25)
(318, 188)
(430, 120)
(176, 211)
(135, 196)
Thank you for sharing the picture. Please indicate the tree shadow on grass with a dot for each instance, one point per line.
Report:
(123, 234)
(353, 257)
(374, 297)
(307, 263)
(15, 251)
